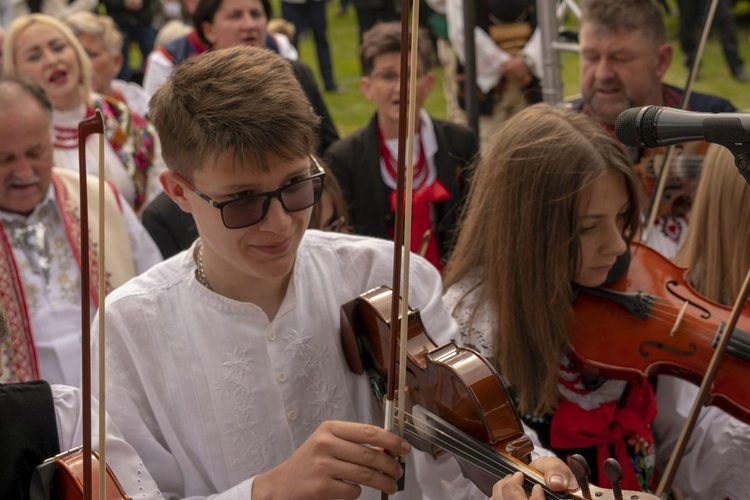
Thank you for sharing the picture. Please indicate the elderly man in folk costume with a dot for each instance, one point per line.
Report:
(40, 253)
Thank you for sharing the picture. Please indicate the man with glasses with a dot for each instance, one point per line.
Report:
(365, 162)
(224, 364)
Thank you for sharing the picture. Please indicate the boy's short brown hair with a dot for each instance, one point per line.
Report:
(244, 100)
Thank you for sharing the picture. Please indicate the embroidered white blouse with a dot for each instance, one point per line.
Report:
(210, 393)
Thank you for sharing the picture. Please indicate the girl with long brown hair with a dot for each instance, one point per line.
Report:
(553, 206)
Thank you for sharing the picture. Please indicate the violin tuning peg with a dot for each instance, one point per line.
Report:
(581, 471)
(613, 471)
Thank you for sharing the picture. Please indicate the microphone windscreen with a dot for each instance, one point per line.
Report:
(626, 127)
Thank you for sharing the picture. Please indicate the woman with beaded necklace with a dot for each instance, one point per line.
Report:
(44, 49)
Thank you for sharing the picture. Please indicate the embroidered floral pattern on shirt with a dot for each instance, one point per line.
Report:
(322, 398)
(243, 419)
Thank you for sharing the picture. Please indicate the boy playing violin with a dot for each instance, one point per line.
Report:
(224, 365)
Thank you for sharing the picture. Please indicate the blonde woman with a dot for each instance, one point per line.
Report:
(44, 49)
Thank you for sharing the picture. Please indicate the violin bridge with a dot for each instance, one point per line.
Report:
(678, 320)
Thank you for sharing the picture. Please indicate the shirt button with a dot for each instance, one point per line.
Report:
(281, 376)
(292, 415)
(271, 336)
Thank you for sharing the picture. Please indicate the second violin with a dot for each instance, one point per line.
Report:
(651, 322)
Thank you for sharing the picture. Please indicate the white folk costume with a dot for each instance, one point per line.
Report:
(211, 394)
(40, 276)
(717, 460)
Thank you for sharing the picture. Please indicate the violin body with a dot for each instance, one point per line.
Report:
(450, 381)
(64, 478)
(682, 180)
(630, 336)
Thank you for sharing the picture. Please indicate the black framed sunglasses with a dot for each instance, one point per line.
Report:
(249, 210)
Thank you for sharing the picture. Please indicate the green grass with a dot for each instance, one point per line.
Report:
(351, 110)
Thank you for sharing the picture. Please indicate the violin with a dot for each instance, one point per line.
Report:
(652, 321)
(684, 173)
(456, 400)
(62, 477)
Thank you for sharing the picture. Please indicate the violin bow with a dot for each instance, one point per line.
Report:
(402, 230)
(663, 174)
(92, 125)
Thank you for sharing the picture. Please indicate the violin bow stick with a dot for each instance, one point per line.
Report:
(402, 231)
(93, 125)
(663, 174)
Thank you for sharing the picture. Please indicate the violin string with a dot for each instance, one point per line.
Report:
(494, 463)
(697, 325)
(668, 314)
(491, 463)
(481, 456)
(481, 462)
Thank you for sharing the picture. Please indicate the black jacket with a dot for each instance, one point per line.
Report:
(355, 161)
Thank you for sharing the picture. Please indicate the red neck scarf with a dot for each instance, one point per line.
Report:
(423, 195)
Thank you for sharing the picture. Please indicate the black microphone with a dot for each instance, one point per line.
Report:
(655, 126)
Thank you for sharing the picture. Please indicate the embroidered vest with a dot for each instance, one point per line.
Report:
(18, 355)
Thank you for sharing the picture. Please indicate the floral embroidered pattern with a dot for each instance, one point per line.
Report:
(132, 138)
(323, 398)
(242, 419)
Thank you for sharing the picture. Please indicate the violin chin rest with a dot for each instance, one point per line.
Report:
(620, 268)
(349, 342)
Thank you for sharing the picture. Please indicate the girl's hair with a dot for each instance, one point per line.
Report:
(716, 246)
(10, 64)
(337, 221)
(520, 231)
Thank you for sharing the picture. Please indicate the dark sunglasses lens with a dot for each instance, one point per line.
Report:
(302, 195)
(243, 213)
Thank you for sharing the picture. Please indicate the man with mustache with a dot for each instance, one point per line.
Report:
(40, 279)
(624, 56)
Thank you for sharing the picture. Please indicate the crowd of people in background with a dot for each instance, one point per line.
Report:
(237, 223)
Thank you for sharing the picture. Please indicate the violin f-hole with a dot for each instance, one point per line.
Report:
(642, 348)
(672, 287)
